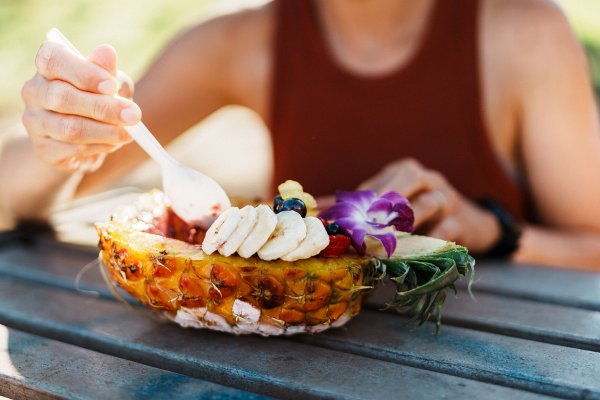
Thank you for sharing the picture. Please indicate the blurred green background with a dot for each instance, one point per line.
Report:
(585, 19)
(136, 28)
(139, 28)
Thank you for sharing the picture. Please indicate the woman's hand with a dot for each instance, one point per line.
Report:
(440, 210)
(71, 112)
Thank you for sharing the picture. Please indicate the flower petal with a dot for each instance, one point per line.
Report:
(349, 224)
(394, 197)
(388, 240)
(361, 198)
(374, 228)
(358, 240)
(379, 211)
(342, 210)
(405, 218)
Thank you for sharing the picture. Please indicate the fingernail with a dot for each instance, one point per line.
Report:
(129, 115)
(108, 86)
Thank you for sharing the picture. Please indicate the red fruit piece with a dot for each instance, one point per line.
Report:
(181, 230)
(338, 244)
(323, 221)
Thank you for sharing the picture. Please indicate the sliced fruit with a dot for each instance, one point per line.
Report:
(221, 229)
(289, 232)
(408, 245)
(258, 236)
(249, 218)
(316, 240)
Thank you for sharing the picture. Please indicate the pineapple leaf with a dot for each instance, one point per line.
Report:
(423, 277)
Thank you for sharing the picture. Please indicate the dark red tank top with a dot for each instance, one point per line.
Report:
(333, 130)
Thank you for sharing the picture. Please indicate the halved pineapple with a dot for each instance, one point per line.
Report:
(229, 294)
(237, 295)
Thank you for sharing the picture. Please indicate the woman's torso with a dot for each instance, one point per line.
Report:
(332, 129)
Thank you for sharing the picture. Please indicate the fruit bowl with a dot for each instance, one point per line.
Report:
(158, 260)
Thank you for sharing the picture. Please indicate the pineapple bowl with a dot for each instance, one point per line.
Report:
(159, 260)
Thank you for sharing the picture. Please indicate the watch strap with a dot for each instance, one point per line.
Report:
(510, 229)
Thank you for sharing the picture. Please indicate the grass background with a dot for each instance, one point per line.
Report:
(139, 28)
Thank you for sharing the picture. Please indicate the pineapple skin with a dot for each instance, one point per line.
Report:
(229, 294)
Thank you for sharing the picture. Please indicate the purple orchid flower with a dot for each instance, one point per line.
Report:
(362, 213)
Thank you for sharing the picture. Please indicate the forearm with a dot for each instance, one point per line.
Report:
(30, 187)
(560, 248)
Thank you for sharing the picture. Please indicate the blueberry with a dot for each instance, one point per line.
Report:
(294, 204)
(333, 229)
(277, 203)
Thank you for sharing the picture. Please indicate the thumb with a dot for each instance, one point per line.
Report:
(105, 56)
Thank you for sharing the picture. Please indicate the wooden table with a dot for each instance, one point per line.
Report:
(533, 333)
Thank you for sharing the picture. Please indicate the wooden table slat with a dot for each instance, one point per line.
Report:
(34, 367)
(565, 326)
(273, 366)
(515, 362)
(571, 288)
(551, 323)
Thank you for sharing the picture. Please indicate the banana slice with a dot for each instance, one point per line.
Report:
(245, 226)
(221, 229)
(258, 236)
(316, 240)
(289, 232)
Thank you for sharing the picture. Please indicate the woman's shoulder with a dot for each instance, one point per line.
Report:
(529, 28)
(234, 31)
(524, 40)
(519, 11)
(246, 23)
(238, 44)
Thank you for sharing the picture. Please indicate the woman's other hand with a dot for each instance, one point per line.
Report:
(71, 112)
(440, 210)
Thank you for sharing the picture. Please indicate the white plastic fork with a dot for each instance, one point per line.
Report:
(195, 197)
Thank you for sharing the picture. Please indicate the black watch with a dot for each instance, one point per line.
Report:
(510, 230)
